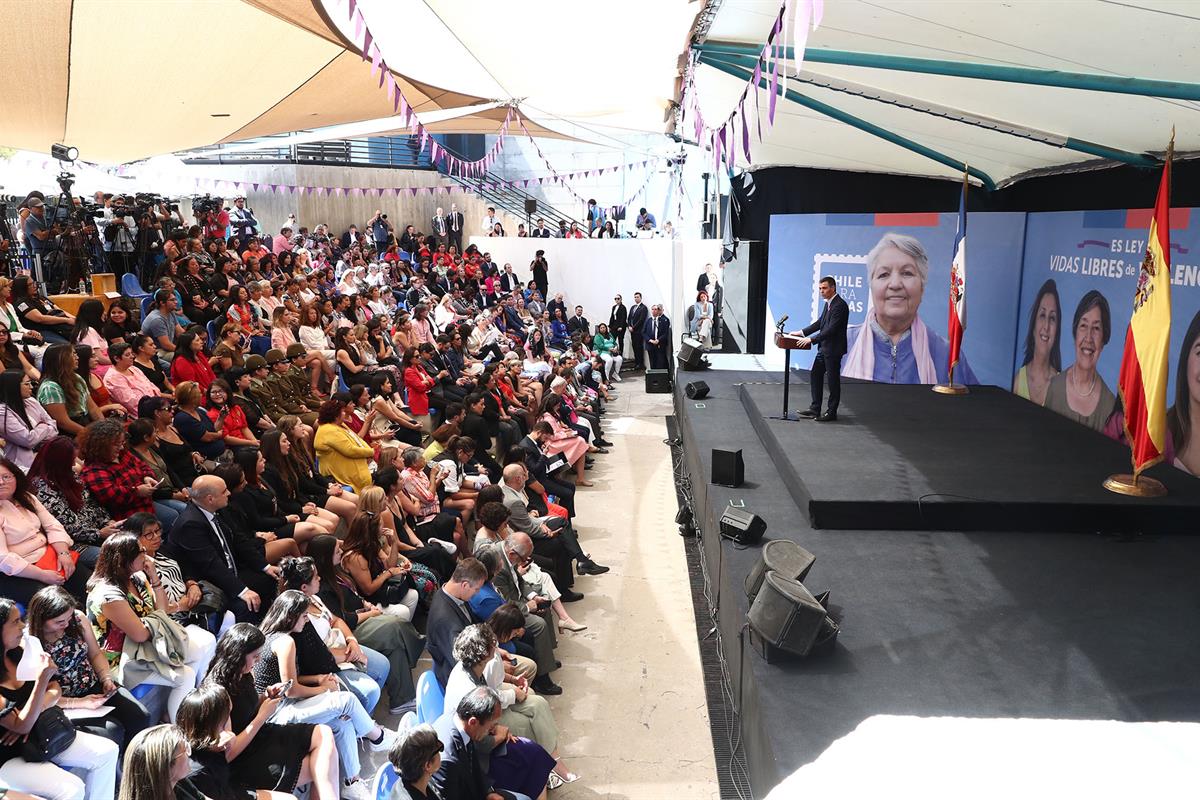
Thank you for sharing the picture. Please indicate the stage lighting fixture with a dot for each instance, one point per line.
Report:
(683, 516)
(787, 618)
(783, 556)
(64, 153)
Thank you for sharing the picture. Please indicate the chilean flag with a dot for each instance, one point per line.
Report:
(958, 282)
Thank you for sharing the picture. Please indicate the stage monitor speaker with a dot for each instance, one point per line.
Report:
(530, 205)
(728, 469)
(658, 381)
(787, 616)
(783, 556)
(696, 390)
(691, 355)
(741, 526)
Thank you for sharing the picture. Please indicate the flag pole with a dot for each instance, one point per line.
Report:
(1136, 484)
(950, 387)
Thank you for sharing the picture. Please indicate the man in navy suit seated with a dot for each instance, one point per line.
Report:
(828, 333)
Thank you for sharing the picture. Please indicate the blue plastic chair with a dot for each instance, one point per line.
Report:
(383, 782)
(141, 690)
(430, 697)
(212, 333)
(147, 302)
(130, 287)
(343, 386)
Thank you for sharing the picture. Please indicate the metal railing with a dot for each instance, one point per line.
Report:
(509, 198)
(400, 152)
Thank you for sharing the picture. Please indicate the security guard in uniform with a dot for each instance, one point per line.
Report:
(298, 379)
(289, 398)
(260, 390)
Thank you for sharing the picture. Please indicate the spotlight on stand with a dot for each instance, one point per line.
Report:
(64, 153)
(683, 518)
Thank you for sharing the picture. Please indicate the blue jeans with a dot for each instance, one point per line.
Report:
(167, 511)
(367, 684)
(344, 715)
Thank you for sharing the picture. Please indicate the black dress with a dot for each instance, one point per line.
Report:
(257, 505)
(179, 460)
(275, 755)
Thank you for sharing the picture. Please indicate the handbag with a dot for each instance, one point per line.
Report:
(212, 598)
(52, 733)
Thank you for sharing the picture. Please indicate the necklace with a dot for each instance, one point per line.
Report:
(1091, 388)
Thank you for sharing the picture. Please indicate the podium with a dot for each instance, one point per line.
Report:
(787, 343)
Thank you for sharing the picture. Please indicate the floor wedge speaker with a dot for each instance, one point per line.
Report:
(786, 615)
(741, 526)
(658, 381)
(696, 390)
(728, 468)
(783, 556)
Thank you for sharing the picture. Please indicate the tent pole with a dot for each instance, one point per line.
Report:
(957, 115)
(1148, 87)
(863, 125)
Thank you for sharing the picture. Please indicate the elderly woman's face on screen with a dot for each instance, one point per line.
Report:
(1089, 338)
(896, 288)
(1046, 324)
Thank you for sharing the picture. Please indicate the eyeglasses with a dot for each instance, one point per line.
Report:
(155, 533)
(6, 477)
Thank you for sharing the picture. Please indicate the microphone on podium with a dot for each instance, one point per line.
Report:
(782, 320)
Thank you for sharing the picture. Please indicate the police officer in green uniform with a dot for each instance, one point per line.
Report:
(265, 394)
(277, 382)
(298, 379)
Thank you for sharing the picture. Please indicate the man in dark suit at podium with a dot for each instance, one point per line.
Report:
(828, 333)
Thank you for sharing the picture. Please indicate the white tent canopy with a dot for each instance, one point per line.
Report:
(1136, 40)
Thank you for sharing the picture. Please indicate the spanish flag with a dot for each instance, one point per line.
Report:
(1144, 364)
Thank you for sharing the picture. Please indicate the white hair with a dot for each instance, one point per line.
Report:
(905, 244)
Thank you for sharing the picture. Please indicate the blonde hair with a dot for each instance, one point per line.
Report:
(372, 499)
(148, 759)
(186, 391)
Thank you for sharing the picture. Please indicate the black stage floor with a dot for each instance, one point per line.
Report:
(1046, 624)
(904, 457)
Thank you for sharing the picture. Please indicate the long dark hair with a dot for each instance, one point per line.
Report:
(283, 465)
(10, 394)
(48, 603)
(1179, 417)
(233, 648)
(183, 346)
(285, 612)
(117, 555)
(21, 494)
(295, 571)
(1048, 288)
(202, 714)
(320, 550)
(89, 316)
(54, 463)
(86, 354)
(7, 607)
(56, 366)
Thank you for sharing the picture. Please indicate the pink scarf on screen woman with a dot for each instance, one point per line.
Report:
(860, 361)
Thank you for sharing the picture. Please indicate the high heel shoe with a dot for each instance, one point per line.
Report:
(572, 626)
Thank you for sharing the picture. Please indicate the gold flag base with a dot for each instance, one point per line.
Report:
(1135, 485)
(950, 388)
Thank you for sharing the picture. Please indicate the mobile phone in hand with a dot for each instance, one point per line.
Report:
(281, 690)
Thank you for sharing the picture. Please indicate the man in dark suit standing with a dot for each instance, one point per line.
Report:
(828, 333)
(449, 614)
(637, 319)
(454, 226)
(657, 334)
(618, 322)
(460, 775)
(437, 224)
(207, 549)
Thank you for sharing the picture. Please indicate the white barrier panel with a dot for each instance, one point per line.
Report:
(590, 272)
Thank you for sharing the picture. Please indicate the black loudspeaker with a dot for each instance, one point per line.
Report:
(783, 556)
(787, 617)
(728, 469)
(658, 381)
(530, 205)
(696, 390)
(741, 526)
(691, 355)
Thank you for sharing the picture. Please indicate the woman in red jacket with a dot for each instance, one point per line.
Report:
(190, 362)
(418, 382)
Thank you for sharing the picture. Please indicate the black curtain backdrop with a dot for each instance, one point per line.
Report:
(800, 190)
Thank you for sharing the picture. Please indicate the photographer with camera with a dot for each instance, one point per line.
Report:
(120, 237)
(37, 228)
(210, 212)
(242, 219)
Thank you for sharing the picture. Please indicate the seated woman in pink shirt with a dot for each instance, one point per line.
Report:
(126, 383)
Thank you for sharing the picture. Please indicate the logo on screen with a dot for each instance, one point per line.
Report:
(850, 272)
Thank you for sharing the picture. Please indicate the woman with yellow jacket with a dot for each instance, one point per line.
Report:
(342, 454)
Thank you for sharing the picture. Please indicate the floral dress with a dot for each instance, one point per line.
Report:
(76, 675)
(110, 637)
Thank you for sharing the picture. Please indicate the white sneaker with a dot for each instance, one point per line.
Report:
(385, 743)
(357, 790)
(448, 546)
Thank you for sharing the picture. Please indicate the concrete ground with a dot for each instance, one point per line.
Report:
(632, 717)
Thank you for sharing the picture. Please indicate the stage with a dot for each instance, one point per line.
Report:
(994, 622)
